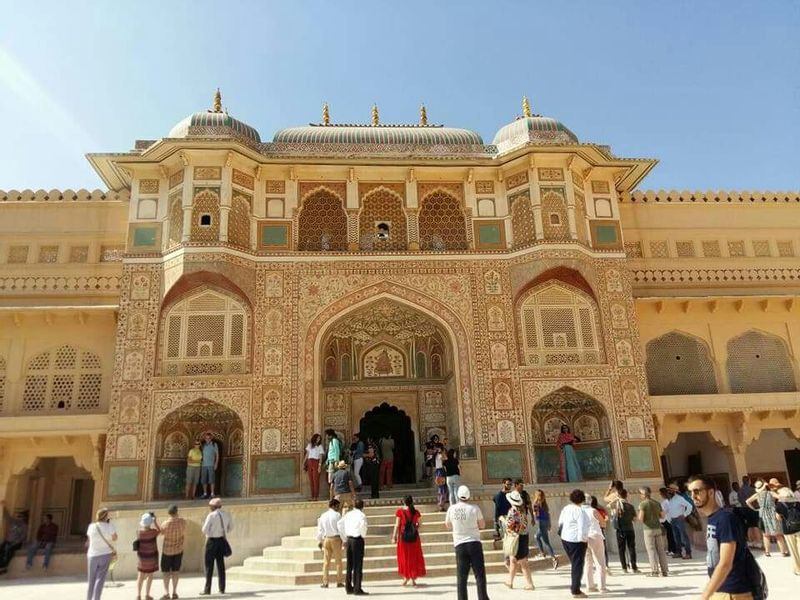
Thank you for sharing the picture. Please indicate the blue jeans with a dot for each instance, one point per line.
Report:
(543, 538)
(453, 481)
(682, 535)
(48, 549)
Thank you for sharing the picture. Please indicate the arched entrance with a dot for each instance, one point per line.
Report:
(386, 351)
(389, 421)
(177, 432)
(587, 419)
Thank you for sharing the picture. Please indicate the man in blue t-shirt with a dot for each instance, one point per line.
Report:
(727, 556)
(209, 465)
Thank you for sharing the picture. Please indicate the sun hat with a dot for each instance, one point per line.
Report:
(341, 465)
(146, 520)
(759, 484)
(102, 514)
(514, 498)
(217, 502)
(463, 492)
(774, 482)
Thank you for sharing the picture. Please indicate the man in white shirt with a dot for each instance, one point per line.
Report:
(677, 510)
(672, 545)
(353, 529)
(573, 529)
(329, 541)
(466, 521)
(733, 497)
(217, 526)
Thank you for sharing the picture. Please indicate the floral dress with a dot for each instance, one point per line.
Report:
(517, 522)
(766, 511)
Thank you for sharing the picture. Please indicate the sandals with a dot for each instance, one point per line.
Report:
(508, 585)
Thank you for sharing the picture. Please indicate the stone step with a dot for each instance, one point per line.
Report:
(300, 541)
(276, 576)
(386, 526)
(310, 553)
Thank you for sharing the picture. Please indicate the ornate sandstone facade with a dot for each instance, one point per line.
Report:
(408, 277)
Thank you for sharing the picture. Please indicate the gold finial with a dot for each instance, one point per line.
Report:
(326, 115)
(217, 102)
(526, 107)
(375, 116)
(423, 115)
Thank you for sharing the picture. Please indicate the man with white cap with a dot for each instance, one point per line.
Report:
(217, 526)
(466, 521)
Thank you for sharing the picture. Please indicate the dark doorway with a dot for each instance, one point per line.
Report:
(792, 465)
(389, 420)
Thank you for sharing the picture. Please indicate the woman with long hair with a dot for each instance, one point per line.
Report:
(311, 464)
(594, 552)
(333, 456)
(410, 561)
(602, 517)
(451, 467)
(440, 478)
(147, 554)
(100, 552)
(541, 512)
(569, 469)
(517, 522)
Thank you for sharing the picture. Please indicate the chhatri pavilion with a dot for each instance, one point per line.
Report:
(409, 278)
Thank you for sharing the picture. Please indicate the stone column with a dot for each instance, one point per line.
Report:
(412, 220)
(353, 244)
(225, 199)
(536, 203)
(186, 202)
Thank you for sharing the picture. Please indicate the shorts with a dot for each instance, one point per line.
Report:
(192, 476)
(171, 563)
(207, 475)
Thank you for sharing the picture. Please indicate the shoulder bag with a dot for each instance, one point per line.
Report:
(510, 540)
(226, 547)
(114, 556)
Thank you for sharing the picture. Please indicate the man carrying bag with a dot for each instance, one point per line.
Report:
(217, 525)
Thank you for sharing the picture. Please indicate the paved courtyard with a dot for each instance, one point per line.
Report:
(686, 581)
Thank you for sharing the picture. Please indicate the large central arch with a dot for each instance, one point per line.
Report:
(445, 318)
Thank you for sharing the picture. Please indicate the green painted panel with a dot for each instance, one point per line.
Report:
(171, 480)
(640, 459)
(275, 235)
(606, 234)
(123, 480)
(504, 463)
(276, 473)
(144, 236)
(595, 462)
(489, 233)
(548, 463)
(233, 478)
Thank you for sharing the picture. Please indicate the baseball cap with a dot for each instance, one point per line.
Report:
(463, 492)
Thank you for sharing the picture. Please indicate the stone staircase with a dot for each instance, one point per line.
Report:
(298, 560)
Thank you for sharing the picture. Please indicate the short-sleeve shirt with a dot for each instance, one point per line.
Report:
(464, 519)
(387, 449)
(651, 511)
(724, 527)
(624, 521)
(209, 454)
(314, 452)
(341, 481)
(173, 530)
(98, 547)
(194, 458)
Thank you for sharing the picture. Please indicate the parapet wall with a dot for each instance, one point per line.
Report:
(711, 196)
(64, 196)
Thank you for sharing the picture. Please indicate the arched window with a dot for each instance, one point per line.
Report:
(441, 223)
(63, 379)
(559, 325)
(322, 224)
(175, 221)
(205, 216)
(758, 362)
(382, 207)
(204, 334)
(679, 364)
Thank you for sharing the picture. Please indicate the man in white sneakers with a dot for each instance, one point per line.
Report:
(466, 522)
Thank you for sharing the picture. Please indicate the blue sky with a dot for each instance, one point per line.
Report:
(711, 89)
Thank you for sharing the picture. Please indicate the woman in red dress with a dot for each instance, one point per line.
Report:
(410, 562)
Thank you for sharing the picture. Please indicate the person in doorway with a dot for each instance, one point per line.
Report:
(174, 532)
(595, 552)
(650, 514)
(666, 523)
(342, 483)
(733, 496)
(626, 535)
(569, 469)
(372, 469)
(573, 528)
(440, 478)
(209, 465)
(541, 511)
(501, 507)
(16, 534)
(765, 498)
(216, 527)
(311, 464)
(386, 476)
(45, 540)
(330, 543)
(453, 470)
(727, 555)
(431, 446)
(333, 456)
(677, 511)
(518, 522)
(100, 552)
(410, 561)
(146, 554)
(194, 461)
(353, 529)
(466, 521)
(357, 449)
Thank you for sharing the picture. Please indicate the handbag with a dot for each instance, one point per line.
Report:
(102, 537)
(226, 547)
(136, 545)
(510, 544)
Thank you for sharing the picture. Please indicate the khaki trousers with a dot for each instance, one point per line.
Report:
(655, 543)
(793, 541)
(332, 551)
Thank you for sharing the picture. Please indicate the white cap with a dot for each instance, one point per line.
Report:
(146, 520)
(462, 492)
(514, 498)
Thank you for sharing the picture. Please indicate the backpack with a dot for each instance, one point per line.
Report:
(756, 577)
(410, 533)
(791, 517)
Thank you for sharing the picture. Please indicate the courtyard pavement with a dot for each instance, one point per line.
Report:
(686, 580)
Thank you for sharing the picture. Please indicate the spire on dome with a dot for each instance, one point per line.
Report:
(326, 115)
(217, 102)
(526, 107)
(375, 116)
(423, 115)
